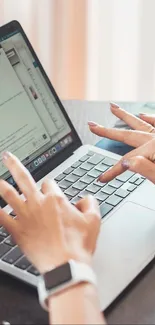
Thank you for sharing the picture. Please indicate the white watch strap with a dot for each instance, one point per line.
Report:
(81, 272)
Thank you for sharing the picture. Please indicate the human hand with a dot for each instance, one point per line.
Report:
(143, 128)
(48, 228)
(143, 133)
(140, 160)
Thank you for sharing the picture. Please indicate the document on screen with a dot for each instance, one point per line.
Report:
(21, 129)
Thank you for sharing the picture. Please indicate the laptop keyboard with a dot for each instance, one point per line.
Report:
(78, 181)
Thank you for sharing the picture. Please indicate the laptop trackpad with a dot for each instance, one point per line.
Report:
(126, 245)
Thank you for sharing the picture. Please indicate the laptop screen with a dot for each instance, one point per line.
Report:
(32, 124)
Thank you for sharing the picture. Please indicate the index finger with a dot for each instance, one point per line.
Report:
(133, 121)
(130, 137)
(20, 174)
(117, 169)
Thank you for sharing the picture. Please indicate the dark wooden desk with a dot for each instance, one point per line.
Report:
(19, 302)
(137, 304)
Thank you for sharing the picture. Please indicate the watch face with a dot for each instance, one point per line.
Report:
(58, 276)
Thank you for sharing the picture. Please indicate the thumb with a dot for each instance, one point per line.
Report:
(142, 166)
(88, 205)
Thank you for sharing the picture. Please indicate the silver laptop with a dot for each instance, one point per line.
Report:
(35, 127)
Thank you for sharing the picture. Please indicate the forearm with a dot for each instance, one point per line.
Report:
(77, 305)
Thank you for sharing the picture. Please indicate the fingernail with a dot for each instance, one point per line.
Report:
(142, 113)
(6, 155)
(90, 123)
(125, 164)
(114, 105)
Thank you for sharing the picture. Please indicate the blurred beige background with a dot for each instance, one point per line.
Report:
(92, 49)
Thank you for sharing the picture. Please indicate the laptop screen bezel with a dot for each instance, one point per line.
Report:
(9, 28)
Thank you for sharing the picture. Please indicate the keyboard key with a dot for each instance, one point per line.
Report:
(9, 241)
(102, 168)
(33, 271)
(132, 188)
(3, 232)
(12, 256)
(133, 179)
(60, 177)
(98, 183)
(87, 166)
(4, 249)
(108, 190)
(93, 188)
(84, 194)
(105, 209)
(94, 173)
(101, 196)
(68, 170)
(72, 178)
(1, 239)
(91, 153)
(139, 181)
(79, 172)
(115, 183)
(96, 159)
(125, 176)
(12, 213)
(87, 179)
(110, 161)
(75, 200)
(77, 164)
(80, 185)
(99, 202)
(84, 158)
(64, 184)
(72, 191)
(114, 200)
(69, 197)
(23, 263)
(122, 193)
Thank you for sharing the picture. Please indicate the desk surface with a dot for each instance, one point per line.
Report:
(19, 303)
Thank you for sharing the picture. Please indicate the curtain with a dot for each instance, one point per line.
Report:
(121, 50)
(57, 30)
(92, 49)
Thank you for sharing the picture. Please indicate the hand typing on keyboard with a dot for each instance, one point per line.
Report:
(142, 136)
(48, 228)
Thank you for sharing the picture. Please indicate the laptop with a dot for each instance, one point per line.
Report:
(35, 127)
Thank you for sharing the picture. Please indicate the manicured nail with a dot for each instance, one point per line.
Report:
(6, 155)
(125, 164)
(114, 105)
(142, 113)
(90, 123)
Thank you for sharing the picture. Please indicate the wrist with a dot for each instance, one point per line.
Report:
(48, 264)
(78, 289)
(78, 304)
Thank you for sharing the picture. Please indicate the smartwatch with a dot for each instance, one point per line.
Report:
(63, 277)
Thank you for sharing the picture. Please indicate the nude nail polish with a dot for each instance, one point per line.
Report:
(125, 164)
(6, 155)
(91, 123)
(114, 105)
